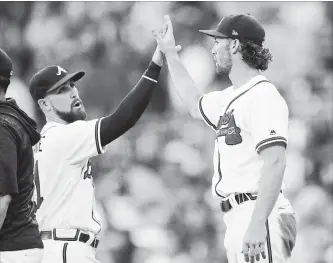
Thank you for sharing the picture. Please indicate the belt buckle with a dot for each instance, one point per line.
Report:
(61, 235)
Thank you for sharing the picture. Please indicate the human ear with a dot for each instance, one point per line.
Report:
(235, 46)
(44, 104)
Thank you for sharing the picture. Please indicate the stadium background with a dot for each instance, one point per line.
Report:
(153, 184)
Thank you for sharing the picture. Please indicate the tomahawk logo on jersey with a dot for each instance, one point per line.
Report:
(246, 121)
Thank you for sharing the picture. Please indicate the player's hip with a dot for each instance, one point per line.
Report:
(281, 223)
(280, 237)
(240, 207)
(71, 235)
(70, 246)
(57, 251)
(89, 223)
(223, 186)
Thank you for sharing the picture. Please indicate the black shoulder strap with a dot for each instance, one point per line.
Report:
(243, 94)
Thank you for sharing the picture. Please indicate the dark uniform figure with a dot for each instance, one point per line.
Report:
(19, 235)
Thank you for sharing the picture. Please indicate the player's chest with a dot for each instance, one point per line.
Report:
(233, 124)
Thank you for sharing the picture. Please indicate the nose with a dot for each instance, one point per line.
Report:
(213, 51)
(74, 93)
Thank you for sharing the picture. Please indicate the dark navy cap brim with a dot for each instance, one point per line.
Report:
(73, 76)
(213, 33)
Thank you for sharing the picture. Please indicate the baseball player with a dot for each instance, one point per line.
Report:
(250, 119)
(19, 236)
(65, 202)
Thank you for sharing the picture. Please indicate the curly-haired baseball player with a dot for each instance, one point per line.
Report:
(250, 119)
(65, 201)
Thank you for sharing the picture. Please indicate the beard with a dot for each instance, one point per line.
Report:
(224, 64)
(73, 115)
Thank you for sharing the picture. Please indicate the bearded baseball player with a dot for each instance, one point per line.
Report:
(65, 201)
(250, 119)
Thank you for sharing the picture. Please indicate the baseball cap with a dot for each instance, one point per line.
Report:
(49, 79)
(6, 65)
(242, 26)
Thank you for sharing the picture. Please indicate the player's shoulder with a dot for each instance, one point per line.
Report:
(267, 93)
(266, 89)
(53, 127)
(217, 95)
(82, 125)
(77, 123)
(266, 86)
(220, 92)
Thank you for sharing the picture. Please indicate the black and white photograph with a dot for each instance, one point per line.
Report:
(166, 132)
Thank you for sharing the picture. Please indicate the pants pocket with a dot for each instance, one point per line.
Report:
(287, 223)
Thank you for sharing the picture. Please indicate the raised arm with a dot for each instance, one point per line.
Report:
(184, 85)
(133, 105)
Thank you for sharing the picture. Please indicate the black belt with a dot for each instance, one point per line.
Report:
(82, 237)
(240, 198)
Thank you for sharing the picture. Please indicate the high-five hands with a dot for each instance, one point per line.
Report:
(158, 55)
(165, 38)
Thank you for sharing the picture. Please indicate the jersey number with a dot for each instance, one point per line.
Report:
(39, 200)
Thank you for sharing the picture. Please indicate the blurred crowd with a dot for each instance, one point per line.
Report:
(153, 183)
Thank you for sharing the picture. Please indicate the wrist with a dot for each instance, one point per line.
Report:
(153, 71)
(158, 59)
(172, 54)
(258, 220)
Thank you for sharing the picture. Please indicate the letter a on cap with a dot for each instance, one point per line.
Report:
(60, 69)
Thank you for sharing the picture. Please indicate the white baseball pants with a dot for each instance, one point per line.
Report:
(280, 237)
(56, 251)
(34, 255)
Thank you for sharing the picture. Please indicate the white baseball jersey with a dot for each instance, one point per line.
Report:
(64, 186)
(246, 120)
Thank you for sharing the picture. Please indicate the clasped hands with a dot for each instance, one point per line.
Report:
(165, 38)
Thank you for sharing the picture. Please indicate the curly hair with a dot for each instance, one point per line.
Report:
(255, 56)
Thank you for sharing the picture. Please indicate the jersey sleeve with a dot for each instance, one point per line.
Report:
(8, 162)
(82, 140)
(210, 107)
(269, 119)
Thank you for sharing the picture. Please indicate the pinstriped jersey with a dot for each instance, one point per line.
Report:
(246, 120)
(64, 186)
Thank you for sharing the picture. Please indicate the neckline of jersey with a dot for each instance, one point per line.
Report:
(49, 125)
(248, 85)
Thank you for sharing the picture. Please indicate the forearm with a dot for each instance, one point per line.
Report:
(4, 203)
(184, 85)
(131, 108)
(269, 189)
